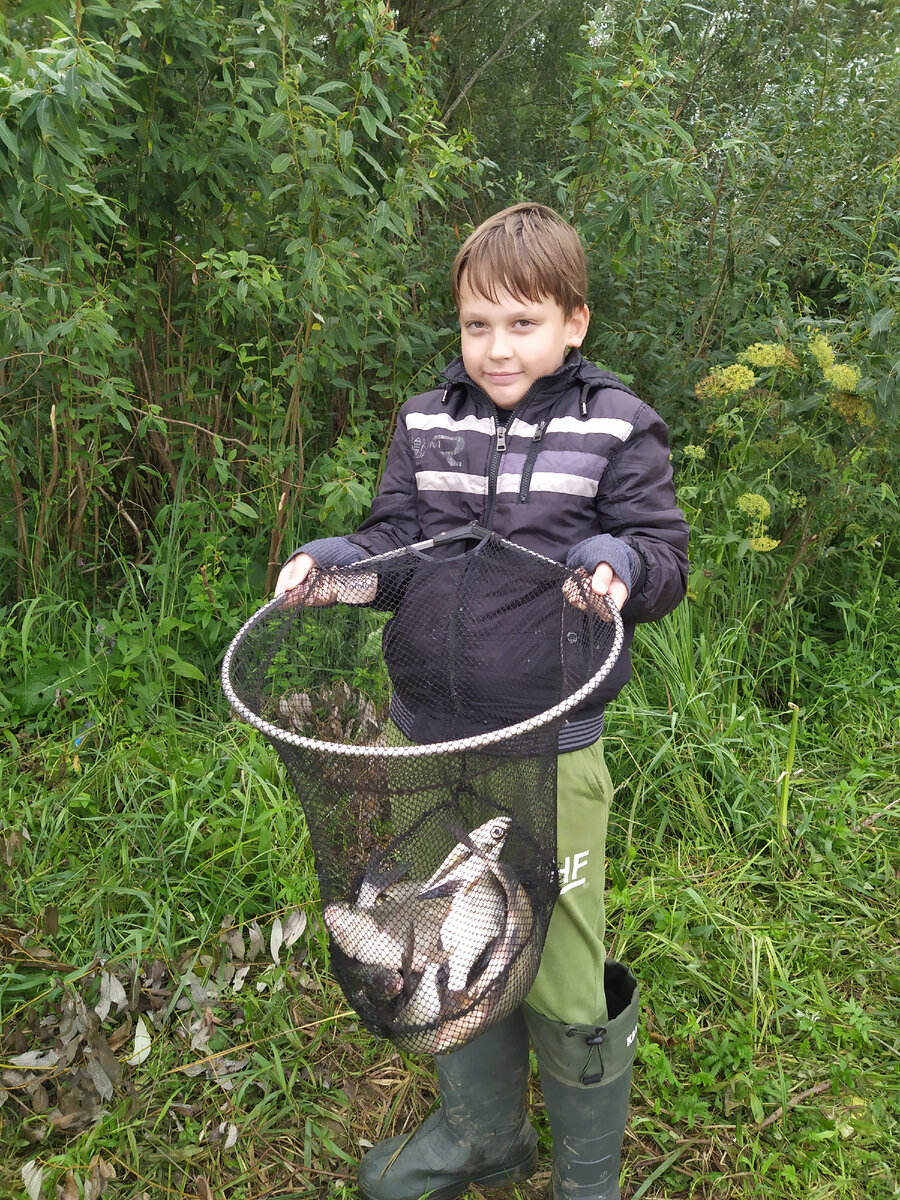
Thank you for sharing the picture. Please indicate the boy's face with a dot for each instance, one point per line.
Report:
(509, 343)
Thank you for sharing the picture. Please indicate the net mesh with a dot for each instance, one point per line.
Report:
(416, 701)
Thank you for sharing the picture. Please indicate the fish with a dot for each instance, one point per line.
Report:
(476, 913)
(426, 1005)
(375, 929)
(473, 921)
(486, 842)
(361, 937)
(511, 961)
(399, 933)
(433, 958)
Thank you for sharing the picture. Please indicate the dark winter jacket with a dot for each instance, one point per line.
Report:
(580, 473)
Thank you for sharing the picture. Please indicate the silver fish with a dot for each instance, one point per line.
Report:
(509, 968)
(361, 937)
(474, 920)
(430, 951)
(476, 913)
(376, 929)
(486, 842)
(427, 1002)
(400, 933)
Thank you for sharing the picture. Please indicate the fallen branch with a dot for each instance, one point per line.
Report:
(792, 1103)
(875, 816)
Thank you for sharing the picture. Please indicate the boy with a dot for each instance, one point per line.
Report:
(529, 439)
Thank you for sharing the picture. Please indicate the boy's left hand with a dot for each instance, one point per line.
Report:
(605, 582)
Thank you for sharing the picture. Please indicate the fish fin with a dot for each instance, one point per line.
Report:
(375, 880)
(449, 887)
(408, 950)
(411, 980)
(481, 962)
(410, 975)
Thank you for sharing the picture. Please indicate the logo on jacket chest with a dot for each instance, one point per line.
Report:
(448, 447)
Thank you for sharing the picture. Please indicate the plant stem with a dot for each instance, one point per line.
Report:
(786, 774)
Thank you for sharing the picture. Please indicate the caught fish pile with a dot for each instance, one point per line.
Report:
(430, 964)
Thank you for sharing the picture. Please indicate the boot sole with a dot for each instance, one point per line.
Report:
(514, 1173)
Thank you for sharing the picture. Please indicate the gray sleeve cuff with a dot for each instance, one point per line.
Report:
(606, 548)
(332, 552)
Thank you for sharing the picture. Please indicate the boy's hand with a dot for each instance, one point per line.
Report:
(603, 582)
(322, 587)
(294, 572)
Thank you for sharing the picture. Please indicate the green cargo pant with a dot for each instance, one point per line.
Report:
(569, 984)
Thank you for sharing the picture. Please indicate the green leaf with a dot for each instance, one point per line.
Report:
(185, 669)
(271, 125)
(45, 114)
(280, 163)
(680, 133)
(320, 105)
(368, 122)
(881, 321)
(373, 163)
(8, 140)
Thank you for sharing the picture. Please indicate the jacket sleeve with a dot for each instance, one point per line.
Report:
(330, 552)
(393, 521)
(636, 502)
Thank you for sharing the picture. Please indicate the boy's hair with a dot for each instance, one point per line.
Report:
(527, 250)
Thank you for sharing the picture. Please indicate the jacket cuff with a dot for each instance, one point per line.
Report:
(332, 552)
(606, 548)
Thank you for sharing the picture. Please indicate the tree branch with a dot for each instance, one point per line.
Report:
(498, 53)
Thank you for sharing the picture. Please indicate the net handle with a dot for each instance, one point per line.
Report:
(478, 741)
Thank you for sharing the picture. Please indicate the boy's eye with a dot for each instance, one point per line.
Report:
(524, 323)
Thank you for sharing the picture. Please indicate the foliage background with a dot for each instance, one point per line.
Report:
(226, 230)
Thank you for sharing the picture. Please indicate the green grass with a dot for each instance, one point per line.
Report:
(769, 965)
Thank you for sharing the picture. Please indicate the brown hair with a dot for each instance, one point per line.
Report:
(527, 250)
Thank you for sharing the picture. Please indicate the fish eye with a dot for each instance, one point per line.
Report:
(497, 833)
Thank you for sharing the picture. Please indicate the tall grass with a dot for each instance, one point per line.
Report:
(151, 824)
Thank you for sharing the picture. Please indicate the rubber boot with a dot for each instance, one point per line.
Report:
(481, 1132)
(586, 1078)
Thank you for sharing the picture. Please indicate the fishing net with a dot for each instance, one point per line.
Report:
(416, 700)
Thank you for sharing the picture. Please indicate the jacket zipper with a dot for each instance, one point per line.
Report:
(528, 469)
(497, 453)
(499, 448)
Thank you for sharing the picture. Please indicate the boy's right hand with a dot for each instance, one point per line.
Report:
(323, 587)
(293, 573)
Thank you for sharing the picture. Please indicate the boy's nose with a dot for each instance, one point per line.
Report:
(499, 347)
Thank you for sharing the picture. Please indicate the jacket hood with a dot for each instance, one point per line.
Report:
(576, 370)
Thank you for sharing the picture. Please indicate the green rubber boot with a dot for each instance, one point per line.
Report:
(480, 1134)
(586, 1078)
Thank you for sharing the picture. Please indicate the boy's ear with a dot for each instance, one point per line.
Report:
(577, 325)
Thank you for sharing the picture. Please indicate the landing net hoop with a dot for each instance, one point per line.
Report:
(480, 741)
